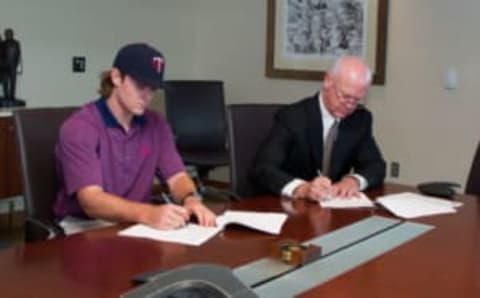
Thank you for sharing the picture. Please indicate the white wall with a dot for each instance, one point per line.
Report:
(230, 45)
(52, 31)
(431, 131)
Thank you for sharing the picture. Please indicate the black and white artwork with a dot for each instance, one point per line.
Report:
(324, 28)
(305, 37)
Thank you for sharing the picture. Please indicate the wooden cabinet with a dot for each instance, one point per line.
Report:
(10, 179)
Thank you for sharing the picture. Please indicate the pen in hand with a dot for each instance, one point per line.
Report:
(327, 196)
(166, 198)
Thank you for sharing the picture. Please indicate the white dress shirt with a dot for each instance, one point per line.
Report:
(327, 121)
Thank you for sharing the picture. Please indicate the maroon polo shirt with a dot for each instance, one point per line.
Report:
(93, 149)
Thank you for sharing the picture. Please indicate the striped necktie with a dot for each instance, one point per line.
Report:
(327, 147)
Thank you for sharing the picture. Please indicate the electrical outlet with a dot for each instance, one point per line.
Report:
(394, 169)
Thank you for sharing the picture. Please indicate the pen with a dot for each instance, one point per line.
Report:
(328, 197)
(168, 200)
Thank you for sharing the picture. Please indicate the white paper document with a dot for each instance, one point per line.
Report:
(411, 205)
(193, 234)
(268, 222)
(341, 203)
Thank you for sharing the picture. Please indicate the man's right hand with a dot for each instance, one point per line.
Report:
(165, 217)
(314, 190)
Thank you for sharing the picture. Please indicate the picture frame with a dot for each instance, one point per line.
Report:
(304, 37)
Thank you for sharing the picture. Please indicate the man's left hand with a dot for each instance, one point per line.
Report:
(346, 188)
(204, 216)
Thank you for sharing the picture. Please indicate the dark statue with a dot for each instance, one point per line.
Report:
(10, 57)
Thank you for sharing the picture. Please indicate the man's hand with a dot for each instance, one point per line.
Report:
(181, 185)
(346, 188)
(165, 217)
(204, 216)
(314, 190)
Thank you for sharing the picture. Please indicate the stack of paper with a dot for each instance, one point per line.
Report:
(356, 202)
(410, 205)
(193, 234)
(268, 222)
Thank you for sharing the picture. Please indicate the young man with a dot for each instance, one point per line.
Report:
(294, 161)
(110, 150)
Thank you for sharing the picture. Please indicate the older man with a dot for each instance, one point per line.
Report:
(323, 145)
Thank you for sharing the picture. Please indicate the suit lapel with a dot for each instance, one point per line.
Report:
(315, 130)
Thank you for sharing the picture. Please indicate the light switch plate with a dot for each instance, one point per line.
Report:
(79, 64)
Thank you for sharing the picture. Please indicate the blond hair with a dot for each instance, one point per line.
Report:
(106, 84)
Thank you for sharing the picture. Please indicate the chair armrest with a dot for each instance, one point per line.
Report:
(219, 193)
(443, 189)
(37, 230)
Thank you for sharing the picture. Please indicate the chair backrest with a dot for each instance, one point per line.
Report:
(37, 133)
(473, 182)
(196, 113)
(249, 125)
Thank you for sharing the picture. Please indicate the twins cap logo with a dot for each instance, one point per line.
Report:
(157, 63)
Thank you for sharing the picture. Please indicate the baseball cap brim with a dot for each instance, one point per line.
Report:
(151, 81)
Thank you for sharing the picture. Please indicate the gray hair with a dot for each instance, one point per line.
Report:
(338, 63)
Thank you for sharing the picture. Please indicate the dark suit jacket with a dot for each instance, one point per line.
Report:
(294, 148)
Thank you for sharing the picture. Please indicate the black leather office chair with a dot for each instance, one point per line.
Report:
(249, 125)
(446, 189)
(196, 113)
(473, 182)
(3, 245)
(37, 132)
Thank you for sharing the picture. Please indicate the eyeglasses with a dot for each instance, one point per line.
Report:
(346, 98)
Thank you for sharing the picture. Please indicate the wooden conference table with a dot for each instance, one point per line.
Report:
(445, 262)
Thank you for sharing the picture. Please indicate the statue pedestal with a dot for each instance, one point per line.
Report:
(6, 102)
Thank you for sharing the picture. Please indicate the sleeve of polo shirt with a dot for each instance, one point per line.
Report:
(78, 157)
(169, 161)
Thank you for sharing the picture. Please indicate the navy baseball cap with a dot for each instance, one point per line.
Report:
(142, 63)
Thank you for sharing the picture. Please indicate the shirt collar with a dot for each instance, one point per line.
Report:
(325, 112)
(108, 118)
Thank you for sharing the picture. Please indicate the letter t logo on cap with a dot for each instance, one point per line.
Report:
(157, 63)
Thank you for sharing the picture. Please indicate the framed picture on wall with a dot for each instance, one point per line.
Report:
(304, 37)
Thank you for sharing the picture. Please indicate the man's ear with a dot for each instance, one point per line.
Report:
(327, 80)
(116, 77)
